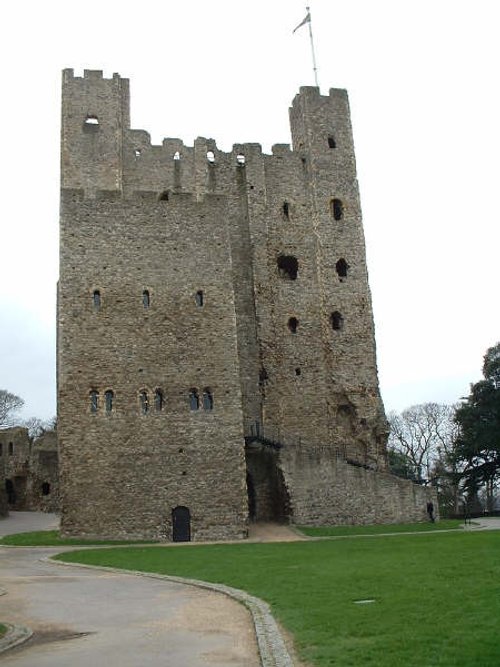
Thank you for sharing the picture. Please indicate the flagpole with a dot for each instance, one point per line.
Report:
(312, 48)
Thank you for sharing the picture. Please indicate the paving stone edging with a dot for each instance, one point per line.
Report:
(16, 634)
(272, 648)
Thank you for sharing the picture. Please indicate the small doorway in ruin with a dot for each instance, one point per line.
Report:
(268, 498)
(251, 498)
(181, 524)
(11, 494)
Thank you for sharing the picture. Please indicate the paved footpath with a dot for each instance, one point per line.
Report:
(83, 618)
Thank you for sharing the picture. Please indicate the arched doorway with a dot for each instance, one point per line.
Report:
(181, 524)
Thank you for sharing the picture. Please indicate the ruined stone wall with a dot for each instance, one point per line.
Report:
(30, 474)
(325, 490)
(15, 446)
(43, 476)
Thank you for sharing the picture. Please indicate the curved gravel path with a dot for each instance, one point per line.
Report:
(82, 616)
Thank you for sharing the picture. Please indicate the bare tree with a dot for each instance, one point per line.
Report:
(37, 427)
(425, 434)
(10, 404)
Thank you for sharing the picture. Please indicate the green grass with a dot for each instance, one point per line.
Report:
(437, 597)
(3, 630)
(50, 538)
(334, 531)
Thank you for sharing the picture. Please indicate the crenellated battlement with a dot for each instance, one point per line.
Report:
(89, 75)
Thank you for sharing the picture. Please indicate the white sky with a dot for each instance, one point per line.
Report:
(422, 77)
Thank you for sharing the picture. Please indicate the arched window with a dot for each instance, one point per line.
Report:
(210, 157)
(337, 209)
(194, 399)
(199, 298)
(108, 401)
(331, 142)
(341, 267)
(240, 160)
(144, 402)
(208, 399)
(158, 400)
(288, 266)
(177, 155)
(96, 299)
(293, 323)
(145, 299)
(45, 489)
(337, 321)
(94, 400)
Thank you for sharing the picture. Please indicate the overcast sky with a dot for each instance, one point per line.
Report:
(422, 78)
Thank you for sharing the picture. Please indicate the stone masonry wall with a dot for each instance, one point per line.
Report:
(236, 281)
(326, 490)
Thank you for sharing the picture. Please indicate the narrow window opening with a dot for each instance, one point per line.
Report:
(208, 399)
(194, 399)
(288, 266)
(337, 209)
(1, 449)
(96, 299)
(210, 157)
(286, 210)
(337, 321)
(164, 196)
(137, 152)
(11, 448)
(240, 160)
(159, 400)
(108, 401)
(146, 299)
(177, 155)
(45, 489)
(199, 298)
(263, 377)
(297, 371)
(91, 123)
(94, 401)
(341, 267)
(293, 323)
(331, 142)
(144, 402)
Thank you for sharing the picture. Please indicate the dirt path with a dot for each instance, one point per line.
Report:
(89, 617)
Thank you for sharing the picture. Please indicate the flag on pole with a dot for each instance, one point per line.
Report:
(306, 20)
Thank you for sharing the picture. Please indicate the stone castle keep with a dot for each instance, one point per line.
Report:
(216, 351)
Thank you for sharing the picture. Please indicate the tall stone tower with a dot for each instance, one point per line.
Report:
(216, 352)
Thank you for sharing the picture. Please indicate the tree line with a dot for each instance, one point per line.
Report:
(455, 448)
(10, 406)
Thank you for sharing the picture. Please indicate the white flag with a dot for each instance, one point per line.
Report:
(306, 20)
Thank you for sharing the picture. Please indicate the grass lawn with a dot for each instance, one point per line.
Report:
(50, 538)
(377, 529)
(437, 597)
(3, 630)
